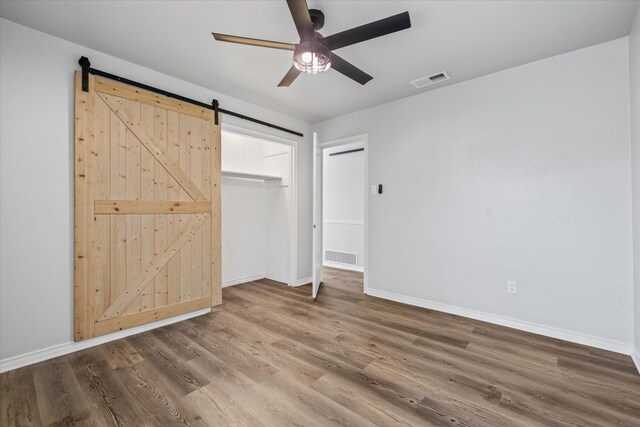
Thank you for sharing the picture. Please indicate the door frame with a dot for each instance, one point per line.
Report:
(292, 270)
(364, 138)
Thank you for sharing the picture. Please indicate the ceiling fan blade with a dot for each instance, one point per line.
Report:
(369, 31)
(253, 42)
(302, 19)
(349, 70)
(289, 77)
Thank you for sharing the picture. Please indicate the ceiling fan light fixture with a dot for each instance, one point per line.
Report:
(311, 57)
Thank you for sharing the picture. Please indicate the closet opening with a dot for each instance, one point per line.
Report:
(258, 208)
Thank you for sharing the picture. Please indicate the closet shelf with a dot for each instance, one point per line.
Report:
(274, 181)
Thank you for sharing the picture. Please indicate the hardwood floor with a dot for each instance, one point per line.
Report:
(270, 356)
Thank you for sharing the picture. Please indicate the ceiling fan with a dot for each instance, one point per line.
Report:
(314, 53)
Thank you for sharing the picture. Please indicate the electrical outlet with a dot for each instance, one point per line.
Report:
(512, 287)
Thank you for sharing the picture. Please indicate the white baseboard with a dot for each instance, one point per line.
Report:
(304, 281)
(343, 266)
(635, 355)
(241, 280)
(549, 331)
(36, 356)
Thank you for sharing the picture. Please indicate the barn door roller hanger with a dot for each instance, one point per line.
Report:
(86, 70)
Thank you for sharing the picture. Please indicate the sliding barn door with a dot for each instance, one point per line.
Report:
(147, 207)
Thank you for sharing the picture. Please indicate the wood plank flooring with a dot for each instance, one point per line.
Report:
(270, 356)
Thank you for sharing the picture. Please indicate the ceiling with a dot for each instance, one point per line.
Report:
(467, 39)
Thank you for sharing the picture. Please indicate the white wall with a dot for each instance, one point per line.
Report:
(519, 175)
(256, 214)
(243, 230)
(36, 189)
(277, 162)
(242, 153)
(343, 201)
(634, 74)
(243, 210)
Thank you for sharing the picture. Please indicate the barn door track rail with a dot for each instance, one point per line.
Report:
(86, 70)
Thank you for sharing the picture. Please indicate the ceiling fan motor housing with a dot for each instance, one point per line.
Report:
(317, 19)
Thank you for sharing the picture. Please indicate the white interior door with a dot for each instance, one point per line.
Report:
(317, 217)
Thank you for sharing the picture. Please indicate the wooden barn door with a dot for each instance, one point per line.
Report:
(147, 208)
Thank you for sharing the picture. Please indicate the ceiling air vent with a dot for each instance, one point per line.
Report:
(429, 80)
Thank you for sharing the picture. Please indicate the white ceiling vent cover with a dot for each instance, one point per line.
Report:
(432, 79)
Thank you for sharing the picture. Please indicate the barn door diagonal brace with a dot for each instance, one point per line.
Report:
(86, 70)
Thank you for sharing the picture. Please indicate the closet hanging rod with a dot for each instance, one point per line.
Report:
(86, 70)
(346, 152)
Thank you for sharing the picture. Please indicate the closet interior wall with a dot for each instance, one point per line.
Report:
(256, 209)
